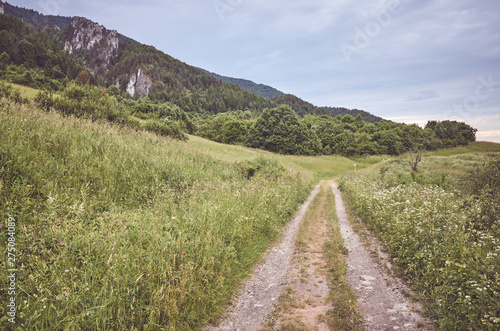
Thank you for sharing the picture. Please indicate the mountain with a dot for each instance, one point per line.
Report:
(32, 17)
(264, 90)
(139, 70)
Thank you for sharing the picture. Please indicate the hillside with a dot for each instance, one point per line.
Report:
(260, 89)
(88, 71)
(182, 228)
(139, 70)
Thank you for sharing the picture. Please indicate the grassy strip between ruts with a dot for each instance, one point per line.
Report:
(119, 229)
(437, 235)
(343, 315)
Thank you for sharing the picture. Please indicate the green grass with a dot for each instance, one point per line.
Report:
(119, 229)
(26, 92)
(344, 315)
(313, 168)
(477, 147)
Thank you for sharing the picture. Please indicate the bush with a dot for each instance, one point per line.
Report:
(165, 128)
(484, 185)
(445, 241)
(261, 166)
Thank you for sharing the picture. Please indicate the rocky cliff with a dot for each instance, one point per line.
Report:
(98, 45)
(140, 84)
(2, 10)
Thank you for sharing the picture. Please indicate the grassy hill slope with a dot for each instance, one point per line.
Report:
(119, 229)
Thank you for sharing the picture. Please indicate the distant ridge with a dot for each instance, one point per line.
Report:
(266, 91)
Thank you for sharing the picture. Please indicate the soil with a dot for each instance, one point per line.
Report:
(255, 303)
(305, 300)
(298, 275)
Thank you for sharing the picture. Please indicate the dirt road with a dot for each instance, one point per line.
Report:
(380, 296)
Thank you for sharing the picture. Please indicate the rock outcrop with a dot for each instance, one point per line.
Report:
(99, 44)
(140, 84)
(2, 9)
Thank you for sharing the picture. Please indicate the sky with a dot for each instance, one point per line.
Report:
(404, 60)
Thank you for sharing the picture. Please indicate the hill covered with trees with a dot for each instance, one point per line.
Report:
(128, 83)
(166, 78)
(260, 89)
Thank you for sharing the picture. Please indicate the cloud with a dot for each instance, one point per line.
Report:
(423, 95)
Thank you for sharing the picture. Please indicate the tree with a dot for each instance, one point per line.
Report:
(83, 78)
(279, 130)
(4, 61)
(26, 53)
(6, 43)
(415, 156)
(233, 132)
(113, 91)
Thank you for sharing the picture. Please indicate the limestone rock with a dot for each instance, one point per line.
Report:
(99, 44)
(139, 84)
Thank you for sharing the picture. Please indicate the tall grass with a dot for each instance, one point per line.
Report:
(435, 232)
(119, 229)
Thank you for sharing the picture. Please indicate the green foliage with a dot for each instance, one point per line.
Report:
(190, 88)
(484, 187)
(83, 101)
(227, 128)
(262, 166)
(8, 92)
(452, 133)
(33, 58)
(260, 89)
(165, 128)
(93, 102)
(279, 130)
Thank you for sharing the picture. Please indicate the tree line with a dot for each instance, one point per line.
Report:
(280, 130)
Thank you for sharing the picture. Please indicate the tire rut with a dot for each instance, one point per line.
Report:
(255, 303)
(380, 297)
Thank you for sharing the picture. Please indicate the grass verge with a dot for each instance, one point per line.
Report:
(442, 237)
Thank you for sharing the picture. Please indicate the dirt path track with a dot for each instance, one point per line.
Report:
(256, 302)
(380, 297)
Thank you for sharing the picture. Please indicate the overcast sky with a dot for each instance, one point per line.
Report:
(404, 60)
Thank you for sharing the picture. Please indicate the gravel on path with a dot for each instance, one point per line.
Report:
(256, 301)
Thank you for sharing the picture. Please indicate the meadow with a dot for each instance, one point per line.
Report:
(125, 229)
(441, 226)
(119, 229)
